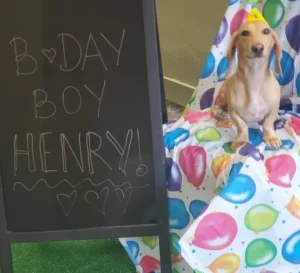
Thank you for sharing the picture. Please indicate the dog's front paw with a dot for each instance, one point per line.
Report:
(272, 140)
(239, 141)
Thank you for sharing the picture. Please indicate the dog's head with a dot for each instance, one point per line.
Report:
(255, 40)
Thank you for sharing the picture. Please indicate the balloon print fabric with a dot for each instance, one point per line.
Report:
(233, 211)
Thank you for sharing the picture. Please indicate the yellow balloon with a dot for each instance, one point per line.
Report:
(226, 263)
(219, 164)
(294, 207)
(185, 111)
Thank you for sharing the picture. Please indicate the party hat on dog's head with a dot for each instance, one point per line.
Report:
(255, 16)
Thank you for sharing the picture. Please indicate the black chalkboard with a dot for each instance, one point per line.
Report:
(80, 113)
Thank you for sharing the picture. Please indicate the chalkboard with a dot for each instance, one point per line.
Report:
(80, 113)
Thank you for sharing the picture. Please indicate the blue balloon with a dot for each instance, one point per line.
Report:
(171, 139)
(235, 170)
(291, 248)
(179, 218)
(240, 190)
(178, 247)
(133, 249)
(231, 2)
(255, 136)
(173, 175)
(222, 69)
(288, 68)
(197, 207)
(209, 66)
(298, 85)
(287, 144)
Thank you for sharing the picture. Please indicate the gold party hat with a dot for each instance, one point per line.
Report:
(255, 16)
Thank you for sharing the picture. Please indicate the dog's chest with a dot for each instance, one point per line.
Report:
(254, 110)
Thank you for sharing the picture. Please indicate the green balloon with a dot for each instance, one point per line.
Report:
(273, 12)
(151, 242)
(191, 99)
(260, 252)
(252, 2)
(175, 271)
(174, 238)
(260, 218)
(197, 271)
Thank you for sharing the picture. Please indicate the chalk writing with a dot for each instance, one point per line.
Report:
(44, 153)
(98, 201)
(141, 170)
(42, 102)
(98, 98)
(66, 201)
(124, 197)
(50, 54)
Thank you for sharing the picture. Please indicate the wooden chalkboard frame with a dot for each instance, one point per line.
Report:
(158, 113)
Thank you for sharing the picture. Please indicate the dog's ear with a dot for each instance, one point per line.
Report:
(232, 50)
(278, 52)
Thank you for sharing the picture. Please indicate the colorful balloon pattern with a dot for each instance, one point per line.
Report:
(261, 217)
(174, 238)
(192, 161)
(273, 12)
(229, 263)
(260, 252)
(134, 248)
(222, 32)
(179, 218)
(198, 116)
(255, 136)
(208, 134)
(251, 151)
(238, 19)
(298, 84)
(207, 99)
(219, 164)
(215, 231)
(281, 170)
(292, 32)
(240, 190)
(173, 138)
(197, 207)
(293, 207)
(222, 69)
(209, 66)
(149, 264)
(173, 174)
(291, 248)
(151, 242)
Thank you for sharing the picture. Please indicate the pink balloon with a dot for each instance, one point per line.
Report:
(196, 116)
(281, 170)
(215, 231)
(295, 124)
(192, 160)
(238, 19)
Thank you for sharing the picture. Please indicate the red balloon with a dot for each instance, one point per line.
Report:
(149, 264)
(215, 231)
(192, 160)
(238, 19)
(295, 124)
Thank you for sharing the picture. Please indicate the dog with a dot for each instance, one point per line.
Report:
(252, 93)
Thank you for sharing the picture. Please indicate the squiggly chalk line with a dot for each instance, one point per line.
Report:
(76, 185)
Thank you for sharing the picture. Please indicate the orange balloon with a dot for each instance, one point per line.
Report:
(185, 111)
(226, 123)
(293, 207)
(219, 164)
(226, 263)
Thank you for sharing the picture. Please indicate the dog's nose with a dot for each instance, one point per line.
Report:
(258, 48)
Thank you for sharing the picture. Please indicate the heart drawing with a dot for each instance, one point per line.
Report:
(49, 54)
(67, 201)
(124, 196)
(98, 201)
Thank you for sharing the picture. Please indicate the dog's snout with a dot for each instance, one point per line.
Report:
(258, 48)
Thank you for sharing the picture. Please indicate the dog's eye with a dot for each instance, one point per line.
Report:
(245, 33)
(266, 31)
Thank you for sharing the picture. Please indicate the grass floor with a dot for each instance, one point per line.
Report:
(100, 256)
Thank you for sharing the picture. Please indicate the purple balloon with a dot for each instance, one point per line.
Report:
(222, 32)
(292, 32)
(249, 150)
(173, 174)
(207, 99)
(268, 271)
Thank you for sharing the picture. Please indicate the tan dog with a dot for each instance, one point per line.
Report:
(252, 93)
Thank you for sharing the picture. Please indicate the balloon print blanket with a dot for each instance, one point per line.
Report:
(245, 204)
(253, 223)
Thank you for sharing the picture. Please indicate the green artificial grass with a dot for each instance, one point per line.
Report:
(97, 256)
